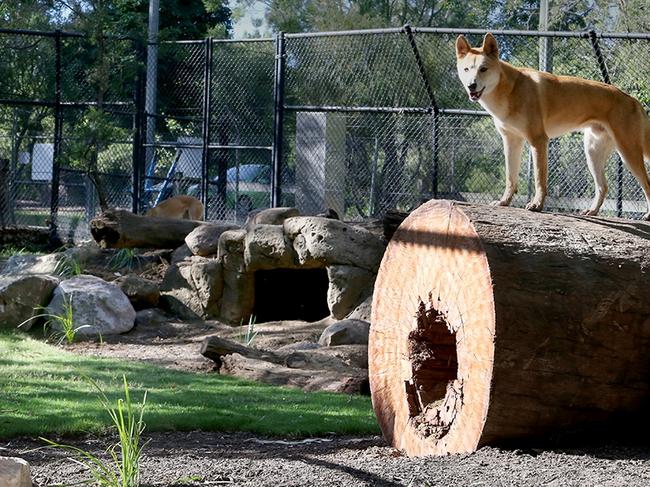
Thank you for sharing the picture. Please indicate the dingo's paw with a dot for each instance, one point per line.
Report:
(589, 212)
(646, 216)
(500, 203)
(534, 206)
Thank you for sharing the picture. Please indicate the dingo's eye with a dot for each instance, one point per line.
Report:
(483, 70)
(466, 69)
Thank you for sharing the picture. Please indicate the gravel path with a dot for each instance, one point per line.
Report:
(208, 459)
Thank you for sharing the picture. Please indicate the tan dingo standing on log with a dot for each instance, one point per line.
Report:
(530, 105)
(182, 207)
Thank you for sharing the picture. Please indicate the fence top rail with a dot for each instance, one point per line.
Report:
(42, 33)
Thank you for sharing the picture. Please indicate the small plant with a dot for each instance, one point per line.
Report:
(251, 333)
(68, 266)
(123, 469)
(9, 251)
(66, 331)
(123, 259)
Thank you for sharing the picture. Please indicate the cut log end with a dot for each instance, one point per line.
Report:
(430, 334)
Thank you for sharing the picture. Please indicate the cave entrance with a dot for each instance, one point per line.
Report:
(291, 294)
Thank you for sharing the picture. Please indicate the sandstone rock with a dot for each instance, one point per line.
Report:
(322, 241)
(152, 317)
(231, 250)
(346, 332)
(238, 297)
(14, 472)
(99, 308)
(204, 239)
(143, 293)
(362, 312)
(60, 263)
(348, 286)
(266, 247)
(21, 296)
(181, 253)
(271, 216)
(192, 288)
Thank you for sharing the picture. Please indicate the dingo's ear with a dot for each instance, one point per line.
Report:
(462, 46)
(490, 47)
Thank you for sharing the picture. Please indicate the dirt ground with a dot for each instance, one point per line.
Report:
(210, 459)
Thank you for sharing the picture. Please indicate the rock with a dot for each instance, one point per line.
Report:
(152, 317)
(192, 288)
(204, 239)
(266, 247)
(14, 472)
(362, 312)
(348, 286)
(238, 284)
(346, 332)
(322, 241)
(99, 308)
(21, 297)
(271, 216)
(65, 264)
(181, 253)
(143, 293)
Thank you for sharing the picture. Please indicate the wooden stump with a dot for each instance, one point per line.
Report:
(497, 324)
(123, 229)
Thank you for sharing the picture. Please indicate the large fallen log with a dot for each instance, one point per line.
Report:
(493, 325)
(123, 229)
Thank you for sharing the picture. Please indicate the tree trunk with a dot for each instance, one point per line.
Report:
(123, 229)
(512, 325)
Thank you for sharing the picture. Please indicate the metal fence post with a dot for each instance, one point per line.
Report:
(434, 107)
(138, 129)
(278, 120)
(205, 154)
(54, 239)
(604, 72)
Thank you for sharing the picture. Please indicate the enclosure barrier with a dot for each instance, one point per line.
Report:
(512, 325)
(359, 121)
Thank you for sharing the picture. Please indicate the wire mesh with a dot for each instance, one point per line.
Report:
(360, 132)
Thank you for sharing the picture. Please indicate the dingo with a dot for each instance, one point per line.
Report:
(182, 206)
(526, 104)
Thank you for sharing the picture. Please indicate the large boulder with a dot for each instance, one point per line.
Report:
(64, 263)
(348, 287)
(192, 288)
(266, 247)
(238, 284)
(14, 472)
(322, 241)
(204, 239)
(21, 297)
(143, 293)
(99, 308)
(271, 216)
(346, 332)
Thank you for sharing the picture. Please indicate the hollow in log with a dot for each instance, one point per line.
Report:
(123, 229)
(494, 325)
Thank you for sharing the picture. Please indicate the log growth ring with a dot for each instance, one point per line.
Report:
(431, 346)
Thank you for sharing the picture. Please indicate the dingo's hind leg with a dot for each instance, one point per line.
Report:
(631, 152)
(598, 147)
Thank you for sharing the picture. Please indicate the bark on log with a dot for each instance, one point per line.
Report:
(123, 229)
(511, 325)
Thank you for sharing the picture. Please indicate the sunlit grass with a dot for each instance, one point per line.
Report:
(44, 393)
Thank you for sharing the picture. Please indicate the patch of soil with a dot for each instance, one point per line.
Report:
(208, 459)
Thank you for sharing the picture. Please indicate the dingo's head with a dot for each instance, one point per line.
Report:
(478, 69)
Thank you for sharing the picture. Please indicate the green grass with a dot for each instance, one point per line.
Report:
(44, 393)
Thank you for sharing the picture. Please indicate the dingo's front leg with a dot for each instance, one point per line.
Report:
(512, 148)
(539, 148)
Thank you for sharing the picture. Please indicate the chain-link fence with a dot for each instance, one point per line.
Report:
(358, 121)
(66, 129)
